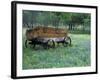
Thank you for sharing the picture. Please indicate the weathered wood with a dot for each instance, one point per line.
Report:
(46, 32)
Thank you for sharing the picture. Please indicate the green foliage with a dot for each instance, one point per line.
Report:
(56, 19)
(78, 55)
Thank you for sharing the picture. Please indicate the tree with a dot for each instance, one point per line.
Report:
(56, 19)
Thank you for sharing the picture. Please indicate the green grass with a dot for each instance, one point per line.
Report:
(76, 55)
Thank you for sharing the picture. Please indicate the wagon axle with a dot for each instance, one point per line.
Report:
(49, 43)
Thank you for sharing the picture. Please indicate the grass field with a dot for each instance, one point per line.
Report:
(76, 55)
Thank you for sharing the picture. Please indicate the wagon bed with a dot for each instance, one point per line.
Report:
(47, 32)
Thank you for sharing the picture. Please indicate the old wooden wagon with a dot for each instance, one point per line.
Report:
(47, 37)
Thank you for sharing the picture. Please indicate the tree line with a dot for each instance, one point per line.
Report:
(73, 21)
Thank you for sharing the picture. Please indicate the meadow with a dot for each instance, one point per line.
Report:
(77, 55)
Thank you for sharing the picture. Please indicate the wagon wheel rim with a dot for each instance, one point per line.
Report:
(51, 43)
(67, 41)
(28, 45)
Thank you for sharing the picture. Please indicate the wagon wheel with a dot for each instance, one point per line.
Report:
(67, 41)
(51, 43)
(28, 44)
